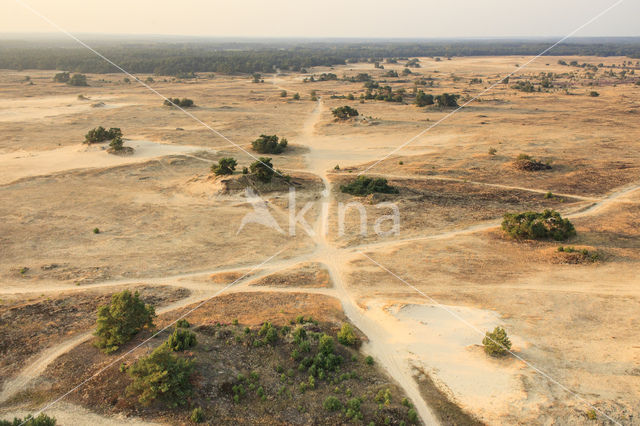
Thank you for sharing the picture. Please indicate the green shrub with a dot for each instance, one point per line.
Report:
(268, 144)
(117, 144)
(62, 77)
(296, 96)
(183, 323)
(197, 415)
(347, 336)
(161, 376)
(446, 100)
(325, 344)
(412, 415)
(181, 339)
(331, 403)
(182, 103)
(78, 80)
(283, 94)
(269, 333)
(41, 420)
(369, 360)
(535, 226)
(121, 319)
(496, 343)
(344, 112)
(262, 169)
(423, 99)
(594, 94)
(100, 134)
(96, 230)
(364, 185)
(225, 166)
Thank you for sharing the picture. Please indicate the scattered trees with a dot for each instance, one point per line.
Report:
(161, 376)
(268, 144)
(364, 185)
(344, 112)
(496, 343)
(536, 226)
(262, 169)
(225, 166)
(121, 319)
(99, 134)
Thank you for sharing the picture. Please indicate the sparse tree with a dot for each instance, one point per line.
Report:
(225, 166)
(496, 343)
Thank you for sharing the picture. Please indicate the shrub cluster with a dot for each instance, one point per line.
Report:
(161, 376)
(269, 144)
(527, 163)
(536, 226)
(121, 319)
(347, 335)
(446, 100)
(181, 339)
(41, 420)
(344, 112)
(423, 99)
(262, 169)
(364, 185)
(182, 103)
(100, 134)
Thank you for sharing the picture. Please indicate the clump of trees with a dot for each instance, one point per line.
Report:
(124, 317)
(182, 103)
(78, 80)
(161, 376)
(423, 99)
(100, 134)
(524, 86)
(527, 163)
(496, 343)
(344, 112)
(446, 100)
(536, 226)
(262, 169)
(269, 144)
(225, 166)
(365, 185)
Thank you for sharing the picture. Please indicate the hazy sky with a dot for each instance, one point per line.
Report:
(325, 18)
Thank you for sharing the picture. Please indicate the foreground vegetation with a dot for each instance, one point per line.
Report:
(537, 226)
(365, 185)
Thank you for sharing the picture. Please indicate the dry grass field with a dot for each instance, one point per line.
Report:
(422, 298)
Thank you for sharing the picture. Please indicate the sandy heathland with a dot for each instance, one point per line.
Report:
(422, 297)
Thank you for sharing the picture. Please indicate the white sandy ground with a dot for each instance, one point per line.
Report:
(70, 414)
(21, 164)
(21, 109)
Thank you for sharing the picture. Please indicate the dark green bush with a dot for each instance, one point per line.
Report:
(344, 112)
(527, 163)
(181, 339)
(100, 134)
(364, 185)
(197, 415)
(325, 344)
(161, 376)
(496, 343)
(182, 103)
(121, 319)
(117, 144)
(62, 77)
(183, 323)
(269, 333)
(262, 169)
(268, 144)
(412, 415)
(423, 99)
(446, 100)
(225, 166)
(536, 226)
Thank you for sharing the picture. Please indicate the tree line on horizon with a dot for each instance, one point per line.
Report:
(185, 59)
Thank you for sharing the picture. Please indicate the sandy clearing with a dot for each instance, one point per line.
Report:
(20, 109)
(70, 414)
(21, 164)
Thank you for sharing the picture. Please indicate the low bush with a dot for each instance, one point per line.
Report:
(344, 112)
(197, 415)
(536, 226)
(423, 99)
(331, 403)
(262, 169)
(347, 335)
(161, 376)
(182, 103)
(117, 144)
(364, 185)
(121, 319)
(181, 339)
(496, 343)
(225, 166)
(41, 420)
(269, 144)
(62, 77)
(447, 100)
(78, 80)
(527, 163)
(100, 134)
